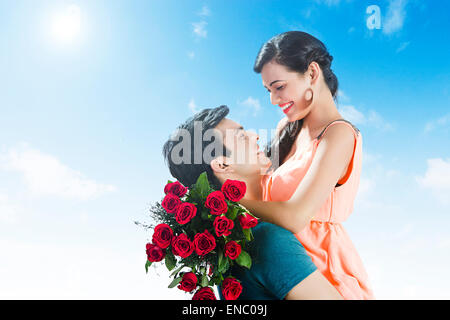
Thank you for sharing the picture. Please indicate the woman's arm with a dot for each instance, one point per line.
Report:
(314, 287)
(330, 162)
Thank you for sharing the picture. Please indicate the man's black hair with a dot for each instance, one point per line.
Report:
(187, 172)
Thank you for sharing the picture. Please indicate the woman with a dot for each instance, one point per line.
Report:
(312, 190)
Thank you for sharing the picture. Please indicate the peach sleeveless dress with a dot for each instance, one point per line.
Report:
(325, 239)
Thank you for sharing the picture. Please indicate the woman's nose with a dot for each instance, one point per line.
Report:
(274, 99)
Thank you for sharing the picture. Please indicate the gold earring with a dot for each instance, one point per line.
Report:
(309, 94)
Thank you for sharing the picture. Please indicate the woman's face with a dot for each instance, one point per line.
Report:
(287, 90)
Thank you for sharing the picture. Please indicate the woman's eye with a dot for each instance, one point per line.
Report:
(280, 87)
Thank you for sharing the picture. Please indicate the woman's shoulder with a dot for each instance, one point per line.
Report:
(338, 136)
(340, 128)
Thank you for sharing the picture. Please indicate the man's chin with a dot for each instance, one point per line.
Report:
(264, 161)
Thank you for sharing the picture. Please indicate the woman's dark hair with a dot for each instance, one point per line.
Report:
(294, 50)
(187, 172)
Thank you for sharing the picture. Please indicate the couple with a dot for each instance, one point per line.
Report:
(302, 192)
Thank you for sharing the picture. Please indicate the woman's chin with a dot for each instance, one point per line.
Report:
(295, 114)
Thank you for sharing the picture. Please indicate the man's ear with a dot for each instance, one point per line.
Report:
(219, 165)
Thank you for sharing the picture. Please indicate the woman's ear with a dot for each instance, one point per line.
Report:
(219, 165)
(313, 72)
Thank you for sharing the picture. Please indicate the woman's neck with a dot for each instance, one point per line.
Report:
(321, 114)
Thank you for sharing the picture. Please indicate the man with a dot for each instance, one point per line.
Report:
(281, 268)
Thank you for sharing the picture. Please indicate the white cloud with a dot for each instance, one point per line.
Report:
(205, 12)
(342, 96)
(32, 270)
(193, 107)
(395, 16)
(44, 174)
(372, 119)
(441, 122)
(252, 104)
(191, 54)
(8, 210)
(351, 114)
(402, 46)
(199, 29)
(329, 2)
(437, 179)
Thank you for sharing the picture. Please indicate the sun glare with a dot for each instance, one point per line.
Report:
(66, 25)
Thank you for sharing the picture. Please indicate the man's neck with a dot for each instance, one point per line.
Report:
(253, 183)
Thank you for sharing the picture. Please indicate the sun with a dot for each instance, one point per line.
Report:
(66, 25)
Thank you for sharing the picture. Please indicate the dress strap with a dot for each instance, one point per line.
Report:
(354, 148)
(325, 129)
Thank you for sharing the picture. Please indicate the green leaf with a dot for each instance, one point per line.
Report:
(221, 256)
(170, 261)
(175, 282)
(248, 234)
(244, 260)
(223, 264)
(147, 264)
(202, 185)
(205, 281)
(204, 215)
(169, 181)
(232, 212)
(177, 270)
(214, 281)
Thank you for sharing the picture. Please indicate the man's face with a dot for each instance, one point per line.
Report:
(246, 158)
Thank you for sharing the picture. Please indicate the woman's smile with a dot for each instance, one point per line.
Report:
(286, 106)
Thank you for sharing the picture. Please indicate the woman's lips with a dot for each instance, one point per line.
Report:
(286, 106)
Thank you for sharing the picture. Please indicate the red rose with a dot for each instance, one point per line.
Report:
(182, 246)
(189, 282)
(223, 225)
(175, 188)
(185, 212)
(171, 203)
(215, 201)
(154, 253)
(232, 250)
(234, 190)
(205, 293)
(231, 288)
(211, 270)
(247, 221)
(162, 236)
(204, 243)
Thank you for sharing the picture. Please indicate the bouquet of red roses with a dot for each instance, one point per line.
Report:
(201, 233)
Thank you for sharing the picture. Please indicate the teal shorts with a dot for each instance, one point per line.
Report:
(279, 263)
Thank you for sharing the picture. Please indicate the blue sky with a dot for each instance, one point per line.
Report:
(87, 103)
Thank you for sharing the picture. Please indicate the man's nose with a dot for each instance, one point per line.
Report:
(253, 135)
